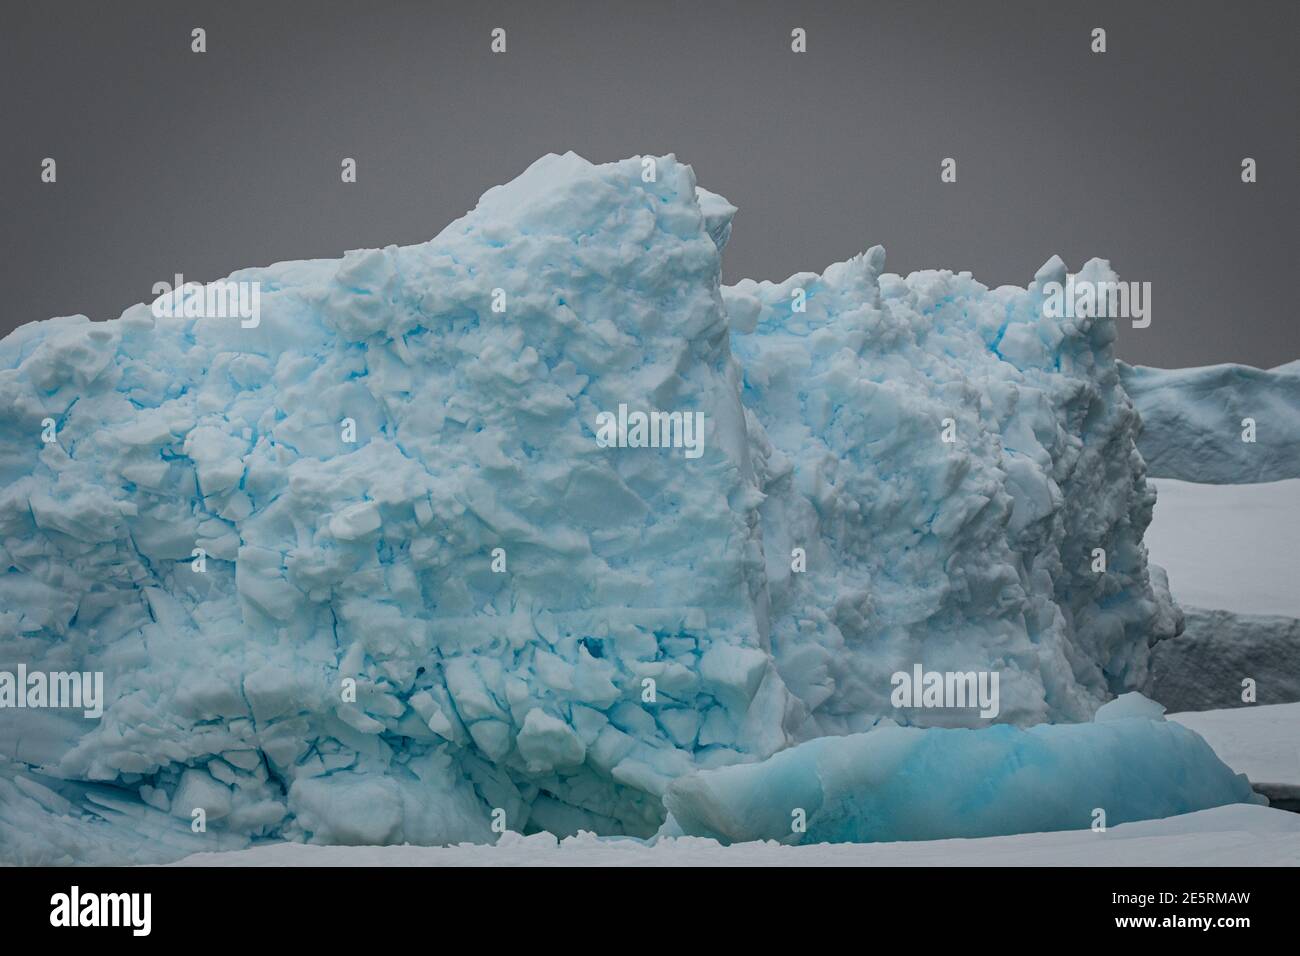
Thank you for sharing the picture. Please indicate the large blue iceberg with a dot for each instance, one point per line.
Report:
(374, 566)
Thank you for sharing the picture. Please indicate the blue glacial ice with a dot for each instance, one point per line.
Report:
(977, 553)
(909, 783)
(429, 597)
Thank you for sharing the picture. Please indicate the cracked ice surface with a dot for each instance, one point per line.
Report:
(525, 690)
(974, 554)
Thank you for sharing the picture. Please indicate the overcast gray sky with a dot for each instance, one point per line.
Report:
(170, 161)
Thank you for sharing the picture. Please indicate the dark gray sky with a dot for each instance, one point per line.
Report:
(169, 161)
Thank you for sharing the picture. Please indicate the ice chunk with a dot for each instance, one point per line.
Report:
(1129, 705)
(908, 783)
(547, 742)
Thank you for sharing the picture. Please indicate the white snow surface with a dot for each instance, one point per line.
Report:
(1236, 835)
(1229, 547)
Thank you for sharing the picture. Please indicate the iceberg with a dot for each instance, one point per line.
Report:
(357, 569)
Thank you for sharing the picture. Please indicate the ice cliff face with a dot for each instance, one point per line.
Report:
(426, 590)
(957, 467)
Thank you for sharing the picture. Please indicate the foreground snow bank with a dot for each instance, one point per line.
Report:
(1237, 835)
(905, 783)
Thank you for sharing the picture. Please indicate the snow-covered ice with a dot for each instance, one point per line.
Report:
(1194, 420)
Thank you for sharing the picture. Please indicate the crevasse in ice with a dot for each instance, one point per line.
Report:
(398, 488)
